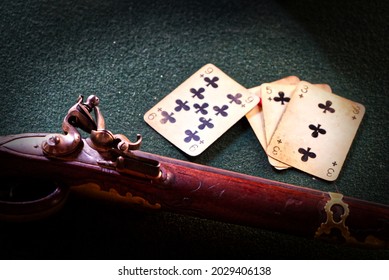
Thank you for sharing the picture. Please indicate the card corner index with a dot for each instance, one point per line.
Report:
(361, 108)
(209, 67)
(265, 84)
(149, 116)
(194, 153)
(331, 179)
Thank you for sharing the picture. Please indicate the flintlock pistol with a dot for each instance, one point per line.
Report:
(39, 170)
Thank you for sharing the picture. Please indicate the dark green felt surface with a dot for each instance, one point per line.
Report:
(132, 53)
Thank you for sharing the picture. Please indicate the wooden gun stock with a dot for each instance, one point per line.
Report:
(187, 188)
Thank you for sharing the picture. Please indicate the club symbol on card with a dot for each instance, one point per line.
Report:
(221, 111)
(181, 105)
(326, 107)
(212, 81)
(191, 136)
(167, 117)
(281, 98)
(235, 98)
(201, 108)
(317, 130)
(306, 154)
(197, 93)
(205, 123)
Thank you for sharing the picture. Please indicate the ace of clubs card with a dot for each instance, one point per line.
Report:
(200, 110)
(316, 131)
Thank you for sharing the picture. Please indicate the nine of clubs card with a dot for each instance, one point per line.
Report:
(200, 110)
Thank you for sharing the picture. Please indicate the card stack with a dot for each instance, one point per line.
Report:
(298, 124)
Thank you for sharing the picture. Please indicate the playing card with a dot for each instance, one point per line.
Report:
(316, 131)
(200, 110)
(256, 116)
(275, 98)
